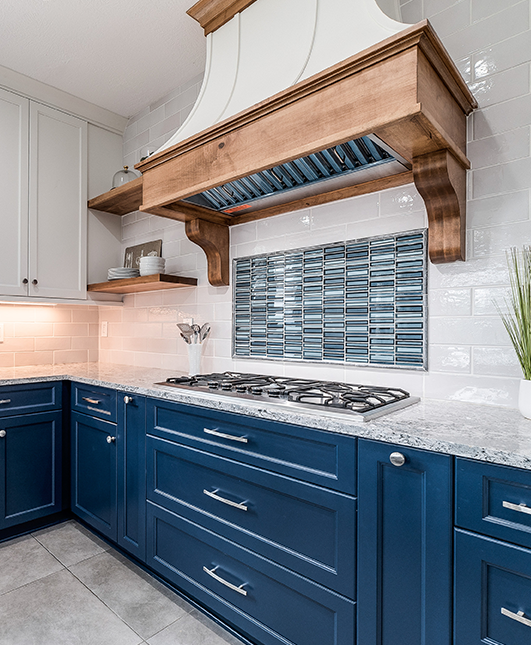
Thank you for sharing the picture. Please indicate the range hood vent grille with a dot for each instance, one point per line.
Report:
(239, 195)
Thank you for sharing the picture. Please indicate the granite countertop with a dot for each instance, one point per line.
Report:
(488, 433)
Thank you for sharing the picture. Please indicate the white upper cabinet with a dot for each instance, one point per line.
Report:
(43, 179)
(14, 124)
(57, 204)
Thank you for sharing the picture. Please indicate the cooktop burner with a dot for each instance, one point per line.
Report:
(367, 401)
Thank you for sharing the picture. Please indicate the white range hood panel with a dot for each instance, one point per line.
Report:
(272, 45)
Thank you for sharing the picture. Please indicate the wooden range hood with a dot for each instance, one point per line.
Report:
(406, 90)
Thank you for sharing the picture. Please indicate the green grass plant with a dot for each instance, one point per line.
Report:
(518, 321)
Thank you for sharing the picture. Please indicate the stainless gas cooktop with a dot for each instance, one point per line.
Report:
(366, 401)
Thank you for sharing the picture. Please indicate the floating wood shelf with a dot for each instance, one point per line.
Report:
(143, 283)
(120, 201)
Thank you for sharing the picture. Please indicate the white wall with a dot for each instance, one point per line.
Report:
(470, 356)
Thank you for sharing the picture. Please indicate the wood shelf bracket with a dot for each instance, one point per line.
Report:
(214, 240)
(441, 181)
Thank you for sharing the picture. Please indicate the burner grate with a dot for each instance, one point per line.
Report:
(360, 399)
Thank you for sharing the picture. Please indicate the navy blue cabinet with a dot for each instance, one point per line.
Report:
(131, 482)
(108, 465)
(492, 558)
(30, 452)
(256, 520)
(94, 473)
(404, 546)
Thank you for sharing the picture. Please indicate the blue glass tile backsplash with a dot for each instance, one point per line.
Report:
(361, 302)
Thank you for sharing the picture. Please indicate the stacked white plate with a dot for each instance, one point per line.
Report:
(150, 265)
(120, 273)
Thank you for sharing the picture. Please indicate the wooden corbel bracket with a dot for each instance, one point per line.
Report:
(213, 238)
(441, 181)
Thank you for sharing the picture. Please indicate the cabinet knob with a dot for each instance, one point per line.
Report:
(35, 282)
(397, 459)
(128, 399)
(25, 281)
(111, 439)
(2, 433)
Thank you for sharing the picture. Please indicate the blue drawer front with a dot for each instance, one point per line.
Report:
(30, 397)
(319, 457)
(306, 528)
(95, 401)
(494, 500)
(280, 607)
(492, 584)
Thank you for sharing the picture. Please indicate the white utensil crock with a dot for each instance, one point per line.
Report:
(194, 358)
(524, 398)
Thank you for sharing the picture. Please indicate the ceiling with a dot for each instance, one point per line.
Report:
(122, 55)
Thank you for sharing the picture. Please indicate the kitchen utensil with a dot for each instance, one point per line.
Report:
(203, 332)
(186, 339)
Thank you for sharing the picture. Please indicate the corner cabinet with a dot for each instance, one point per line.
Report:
(30, 452)
(43, 181)
(404, 546)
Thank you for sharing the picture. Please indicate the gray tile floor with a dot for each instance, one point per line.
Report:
(64, 586)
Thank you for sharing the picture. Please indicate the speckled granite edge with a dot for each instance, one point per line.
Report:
(486, 433)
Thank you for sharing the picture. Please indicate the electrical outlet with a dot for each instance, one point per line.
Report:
(104, 329)
(1, 332)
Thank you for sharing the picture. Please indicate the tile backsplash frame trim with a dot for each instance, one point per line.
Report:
(343, 363)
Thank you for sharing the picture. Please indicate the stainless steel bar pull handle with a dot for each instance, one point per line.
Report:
(218, 498)
(211, 573)
(89, 400)
(4, 401)
(2, 434)
(223, 435)
(521, 508)
(519, 617)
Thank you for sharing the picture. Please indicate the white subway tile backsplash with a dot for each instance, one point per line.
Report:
(453, 19)
(403, 200)
(501, 87)
(345, 211)
(450, 302)
(450, 358)
(411, 12)
(502, 117)
(486, 301)
(486, 390)
(499, 149)
(504, 178)
(468, 331)
(485, 8)
(496, 361)
(499, 239)
(501, 209)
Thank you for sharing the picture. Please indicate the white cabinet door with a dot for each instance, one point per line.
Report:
(14, 193)
(58, 204)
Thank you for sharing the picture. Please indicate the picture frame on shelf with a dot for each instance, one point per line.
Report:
(134, 253)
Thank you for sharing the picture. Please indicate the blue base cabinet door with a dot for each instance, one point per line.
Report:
(131, 446)
(492, 591)
(30, 467)
(404, 546)
(94, 473)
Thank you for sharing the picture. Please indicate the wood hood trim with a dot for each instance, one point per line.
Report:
(213, 14)
(406, 90)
